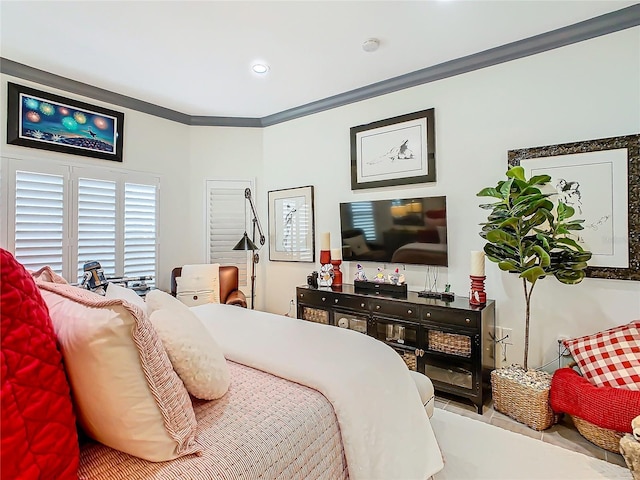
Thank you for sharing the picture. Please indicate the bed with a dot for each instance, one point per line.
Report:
(303, 401)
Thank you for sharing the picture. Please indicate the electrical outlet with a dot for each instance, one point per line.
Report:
(503, 339)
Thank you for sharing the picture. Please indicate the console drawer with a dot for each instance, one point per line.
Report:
(316, 297)
(395, 309)
(449, 317)
(354, 303)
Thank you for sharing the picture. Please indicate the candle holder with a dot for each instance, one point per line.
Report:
(325, 257)
(337, 274)
(477, 295)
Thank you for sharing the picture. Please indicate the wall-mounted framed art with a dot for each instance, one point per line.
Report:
(599, 178)
(395, 151)
(46, 121)
(291, 225)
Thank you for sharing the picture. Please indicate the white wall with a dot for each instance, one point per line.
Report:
(585, 91)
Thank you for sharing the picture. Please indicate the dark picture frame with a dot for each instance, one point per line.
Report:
(46, 121)
(395, 151)
(580, 156)
(291, 225)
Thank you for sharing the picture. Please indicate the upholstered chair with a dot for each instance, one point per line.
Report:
(229, 292)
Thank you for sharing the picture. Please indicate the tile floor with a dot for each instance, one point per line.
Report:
(563, 434)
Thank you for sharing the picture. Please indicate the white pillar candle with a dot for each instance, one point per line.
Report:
(477, 264)
(336, 254)
(325, 241)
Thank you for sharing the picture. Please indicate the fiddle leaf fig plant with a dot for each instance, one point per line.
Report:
(527, 236)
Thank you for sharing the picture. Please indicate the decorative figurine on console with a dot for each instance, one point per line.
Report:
(396, 278)
(326, 275)
(360, 275)
(379, 278)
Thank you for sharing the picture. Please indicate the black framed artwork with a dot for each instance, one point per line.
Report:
(395, 151)
(45, 121)
(599, 179)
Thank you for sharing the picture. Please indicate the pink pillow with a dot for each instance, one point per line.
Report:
(126, 392)
(39, 438)
(611, 357)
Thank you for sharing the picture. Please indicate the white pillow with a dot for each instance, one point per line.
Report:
(122, 293)
(126, 393)
(190, 292)
(195, 355)
(358, 245)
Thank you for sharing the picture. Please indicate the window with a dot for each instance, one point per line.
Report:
(65, 216)
(227, 216)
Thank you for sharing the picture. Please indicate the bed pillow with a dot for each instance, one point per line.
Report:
(123, 293)
(199, 284)
(126, 392)
(192, 293)
(611, 357)
(39, 438)
(195, 355)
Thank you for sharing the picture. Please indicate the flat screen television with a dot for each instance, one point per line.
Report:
(407, 231)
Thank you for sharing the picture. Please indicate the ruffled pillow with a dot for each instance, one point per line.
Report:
(127, 394)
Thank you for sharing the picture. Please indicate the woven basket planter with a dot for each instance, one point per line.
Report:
(603, 437)
(524, 396)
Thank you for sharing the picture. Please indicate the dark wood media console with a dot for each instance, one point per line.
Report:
(450, 342)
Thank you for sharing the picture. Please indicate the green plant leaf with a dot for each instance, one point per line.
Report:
(505, 188)
(570, 242)
(545, 258)
(516, 172)
(490, 192)
(500, 236)
(508, 266)
(510, 222)
(533, 274)
(570, 277)
(539, 179)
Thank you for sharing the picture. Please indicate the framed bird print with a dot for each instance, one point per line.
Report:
(395, 151)
(291, 230)
(595, 177)
(46, 121)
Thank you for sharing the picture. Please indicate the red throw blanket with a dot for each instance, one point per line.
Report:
(606, 407)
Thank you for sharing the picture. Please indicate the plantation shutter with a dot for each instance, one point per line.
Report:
(39, 220)
(227, 217)
(140, 239)
(97, 224)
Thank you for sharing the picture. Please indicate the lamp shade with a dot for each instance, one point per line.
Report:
(245, 243)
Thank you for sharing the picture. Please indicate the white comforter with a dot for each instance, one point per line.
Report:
(385, 431)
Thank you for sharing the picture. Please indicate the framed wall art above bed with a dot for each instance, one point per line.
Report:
(46, 121)
(599, 179)
(291, 225)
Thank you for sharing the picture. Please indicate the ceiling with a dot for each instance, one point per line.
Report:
(194, 57)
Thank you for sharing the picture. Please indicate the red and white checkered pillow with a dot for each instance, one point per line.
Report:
(610, 358)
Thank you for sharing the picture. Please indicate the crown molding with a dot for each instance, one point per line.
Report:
(595, 27)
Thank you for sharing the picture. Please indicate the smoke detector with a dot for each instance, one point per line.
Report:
(371, 45)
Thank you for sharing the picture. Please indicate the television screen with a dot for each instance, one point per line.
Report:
(407, 231)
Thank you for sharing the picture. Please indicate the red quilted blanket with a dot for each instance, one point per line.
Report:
(606, 407)
(39, 438)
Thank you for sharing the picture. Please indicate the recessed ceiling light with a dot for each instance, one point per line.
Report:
(260, 68)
